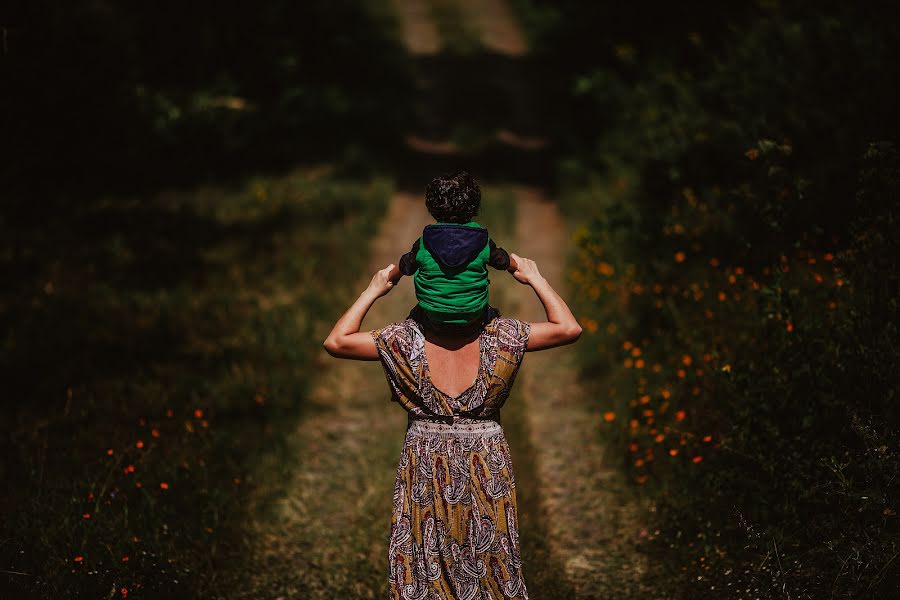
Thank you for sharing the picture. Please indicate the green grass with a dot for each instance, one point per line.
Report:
(156, 348)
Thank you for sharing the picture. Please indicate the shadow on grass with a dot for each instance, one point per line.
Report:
(153, 347)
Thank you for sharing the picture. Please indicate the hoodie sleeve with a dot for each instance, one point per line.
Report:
(499, 257)
(408, 264)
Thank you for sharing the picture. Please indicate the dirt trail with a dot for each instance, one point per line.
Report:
(583, 523)
(593, 523)
(323, 534)
(417, 28)
(497, 27)
(326, 537)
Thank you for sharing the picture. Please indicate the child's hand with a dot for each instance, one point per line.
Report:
(526, 270)
(513, 264)
(381, 282)
(395, 275)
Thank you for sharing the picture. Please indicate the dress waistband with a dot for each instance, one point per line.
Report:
(454, 426)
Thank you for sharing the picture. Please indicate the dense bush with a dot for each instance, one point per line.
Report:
(740, 291)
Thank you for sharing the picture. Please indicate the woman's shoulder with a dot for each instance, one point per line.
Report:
(513, 332)
(401, 332)
(501, 322)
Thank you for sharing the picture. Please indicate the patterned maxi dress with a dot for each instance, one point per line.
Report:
(454, 528)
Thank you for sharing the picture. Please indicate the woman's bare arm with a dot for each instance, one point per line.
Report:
(561, 327)
(345, 339)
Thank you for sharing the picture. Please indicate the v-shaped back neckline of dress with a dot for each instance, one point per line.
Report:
(478, 375)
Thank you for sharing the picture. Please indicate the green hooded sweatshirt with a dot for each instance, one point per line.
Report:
(450, 265)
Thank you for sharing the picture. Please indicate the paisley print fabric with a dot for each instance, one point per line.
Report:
(454, 528)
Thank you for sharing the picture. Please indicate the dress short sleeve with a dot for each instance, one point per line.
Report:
(512, 337)
(504, 353)
(400, 356)
(382, 337)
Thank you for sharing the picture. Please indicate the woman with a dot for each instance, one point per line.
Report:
(454, 527)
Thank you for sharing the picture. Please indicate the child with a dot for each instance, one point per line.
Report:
(450, 260)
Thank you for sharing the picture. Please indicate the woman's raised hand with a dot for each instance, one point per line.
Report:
(381, 282)
(561, 327)
(526, 271)
(345, 339)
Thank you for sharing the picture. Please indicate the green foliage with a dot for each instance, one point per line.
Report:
(736, 285)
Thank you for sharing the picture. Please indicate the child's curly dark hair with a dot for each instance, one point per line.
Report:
(453, 198)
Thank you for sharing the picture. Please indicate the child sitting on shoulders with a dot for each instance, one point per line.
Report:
(449, 261)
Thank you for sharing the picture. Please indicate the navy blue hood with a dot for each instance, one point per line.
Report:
(454, 245)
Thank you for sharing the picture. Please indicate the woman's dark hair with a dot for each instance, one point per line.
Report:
(453, 198)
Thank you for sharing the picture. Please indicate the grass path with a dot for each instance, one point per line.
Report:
(581, 524)
(498, 29)
(593, 522)
(326, 537)
(417, 28)
(322, 532)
